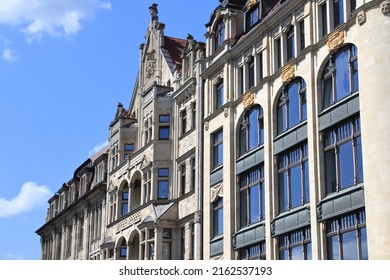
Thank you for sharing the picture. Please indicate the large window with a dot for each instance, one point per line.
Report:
(219, 34)
(219, 95)
(338, 12)
(292, 108)
(296, 245)
(340, 77)
(252, 196)
(163, 183)
(217, 148)
(293, 178)
(183, 115)
(347, 237)
(218, 216)
(252, 16)
(251, 130)
(253, 252)
(343, 156)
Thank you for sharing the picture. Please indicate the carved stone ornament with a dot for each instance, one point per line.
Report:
(288, 73)
(361, 17)
(250, 4)
(335, 41)
(206, 126)
(226, 112)
(385, 6)
(248, 100)
(197, 217)
(216, 192)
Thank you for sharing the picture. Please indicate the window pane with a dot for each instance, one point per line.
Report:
(330, 171)
(125, 208)
(218, 222)
(308, 252)
(296, 186)
(253, 129)
(164, 118)
(363, 243)
(303, 106)
(163, 188)
(283, 194)
(218, 155)
(359, 159)
(243, 208)
(355, 78)
(327, 96)
(282, 119)
(293, 105)
(262, 200)
(129, 147)
(338, 12)
(284, 255)
(333, 246)
(163, 172)
(306, 182)
(350, 251)
(254, 204)
(242, 140)
(297, 253)
(342, 75)
(346, 165)
(164, 132)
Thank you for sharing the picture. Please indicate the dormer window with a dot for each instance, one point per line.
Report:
(252, 16)
(219, 34)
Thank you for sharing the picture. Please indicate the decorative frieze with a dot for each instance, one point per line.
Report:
(136, 217)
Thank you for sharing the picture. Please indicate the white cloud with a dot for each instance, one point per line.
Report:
(10, 54)
(30, 196)
(11, 256)
(98, 148)
(54, 17)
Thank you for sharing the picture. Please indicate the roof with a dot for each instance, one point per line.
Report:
(98, 154)
(175, 48)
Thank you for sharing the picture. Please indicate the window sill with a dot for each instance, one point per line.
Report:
(339, 103)
(290, 130)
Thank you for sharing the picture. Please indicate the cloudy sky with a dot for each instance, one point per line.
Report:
(64, 66)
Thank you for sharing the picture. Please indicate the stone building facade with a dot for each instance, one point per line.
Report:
(268, 141)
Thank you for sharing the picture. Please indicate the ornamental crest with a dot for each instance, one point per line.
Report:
(216, 192)
(248, 100)
(288, 73)
(335, 41)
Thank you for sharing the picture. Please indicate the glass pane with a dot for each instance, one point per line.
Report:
(330, 171)
(262, 201)
(243, 208)
(342, 75)
(254, 196)
(350, 251)
(355, 78)
(306, 182)
(293, 105)
(283, 255)
(242, 144)
(296, 186)
(163, 172)
(164, 118)
(359, 160)
(333, 247)
(363, 243)
(253, 129)
(297, 253)
(303, 107)
(125, 208)
(281, 119)
(308, 252)
(338, 12)
(218, 155)
(327, 95)
(283, 194)
(218, 222)
(164, 132)
(346, 165)
(163, 189)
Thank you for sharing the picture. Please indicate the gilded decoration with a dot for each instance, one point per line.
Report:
(288, 73)
(250, 4)
(248, 100)
(335, 41)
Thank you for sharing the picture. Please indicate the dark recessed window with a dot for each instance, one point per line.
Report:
(338, 12)
(251, 130)
(218, 148)
(163, 189)
(163, 172)
(290, 43)
(163, 133)
(129, 147)
(219, 95)
(251, 72)
(252, 16)
(219, 34)
(218, 217)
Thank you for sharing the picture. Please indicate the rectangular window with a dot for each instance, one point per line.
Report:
(183, 179)
(278, 54)
(293, 175)
(252, 17)
(253, 252)
(163, 172)
(164, 118)
(302, 35)
(324, 19)
(219, 95)
(183, 115)
(129, 147)
(296, 245)
(125, 203)
(193, 174)
(338, 12)
(218, 148)
(251, 73)
(193, 117)
(347, 237)
(343, 156)
(260, 66)
(290, 43)
(163, 133)
(240, 73)
(163, 189)
(218, 217)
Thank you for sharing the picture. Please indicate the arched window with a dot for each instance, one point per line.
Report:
(292, 105)
(340, 76)
(123, 250)
(251, 130)
(219, 34)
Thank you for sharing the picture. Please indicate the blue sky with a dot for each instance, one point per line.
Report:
(64, 66)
